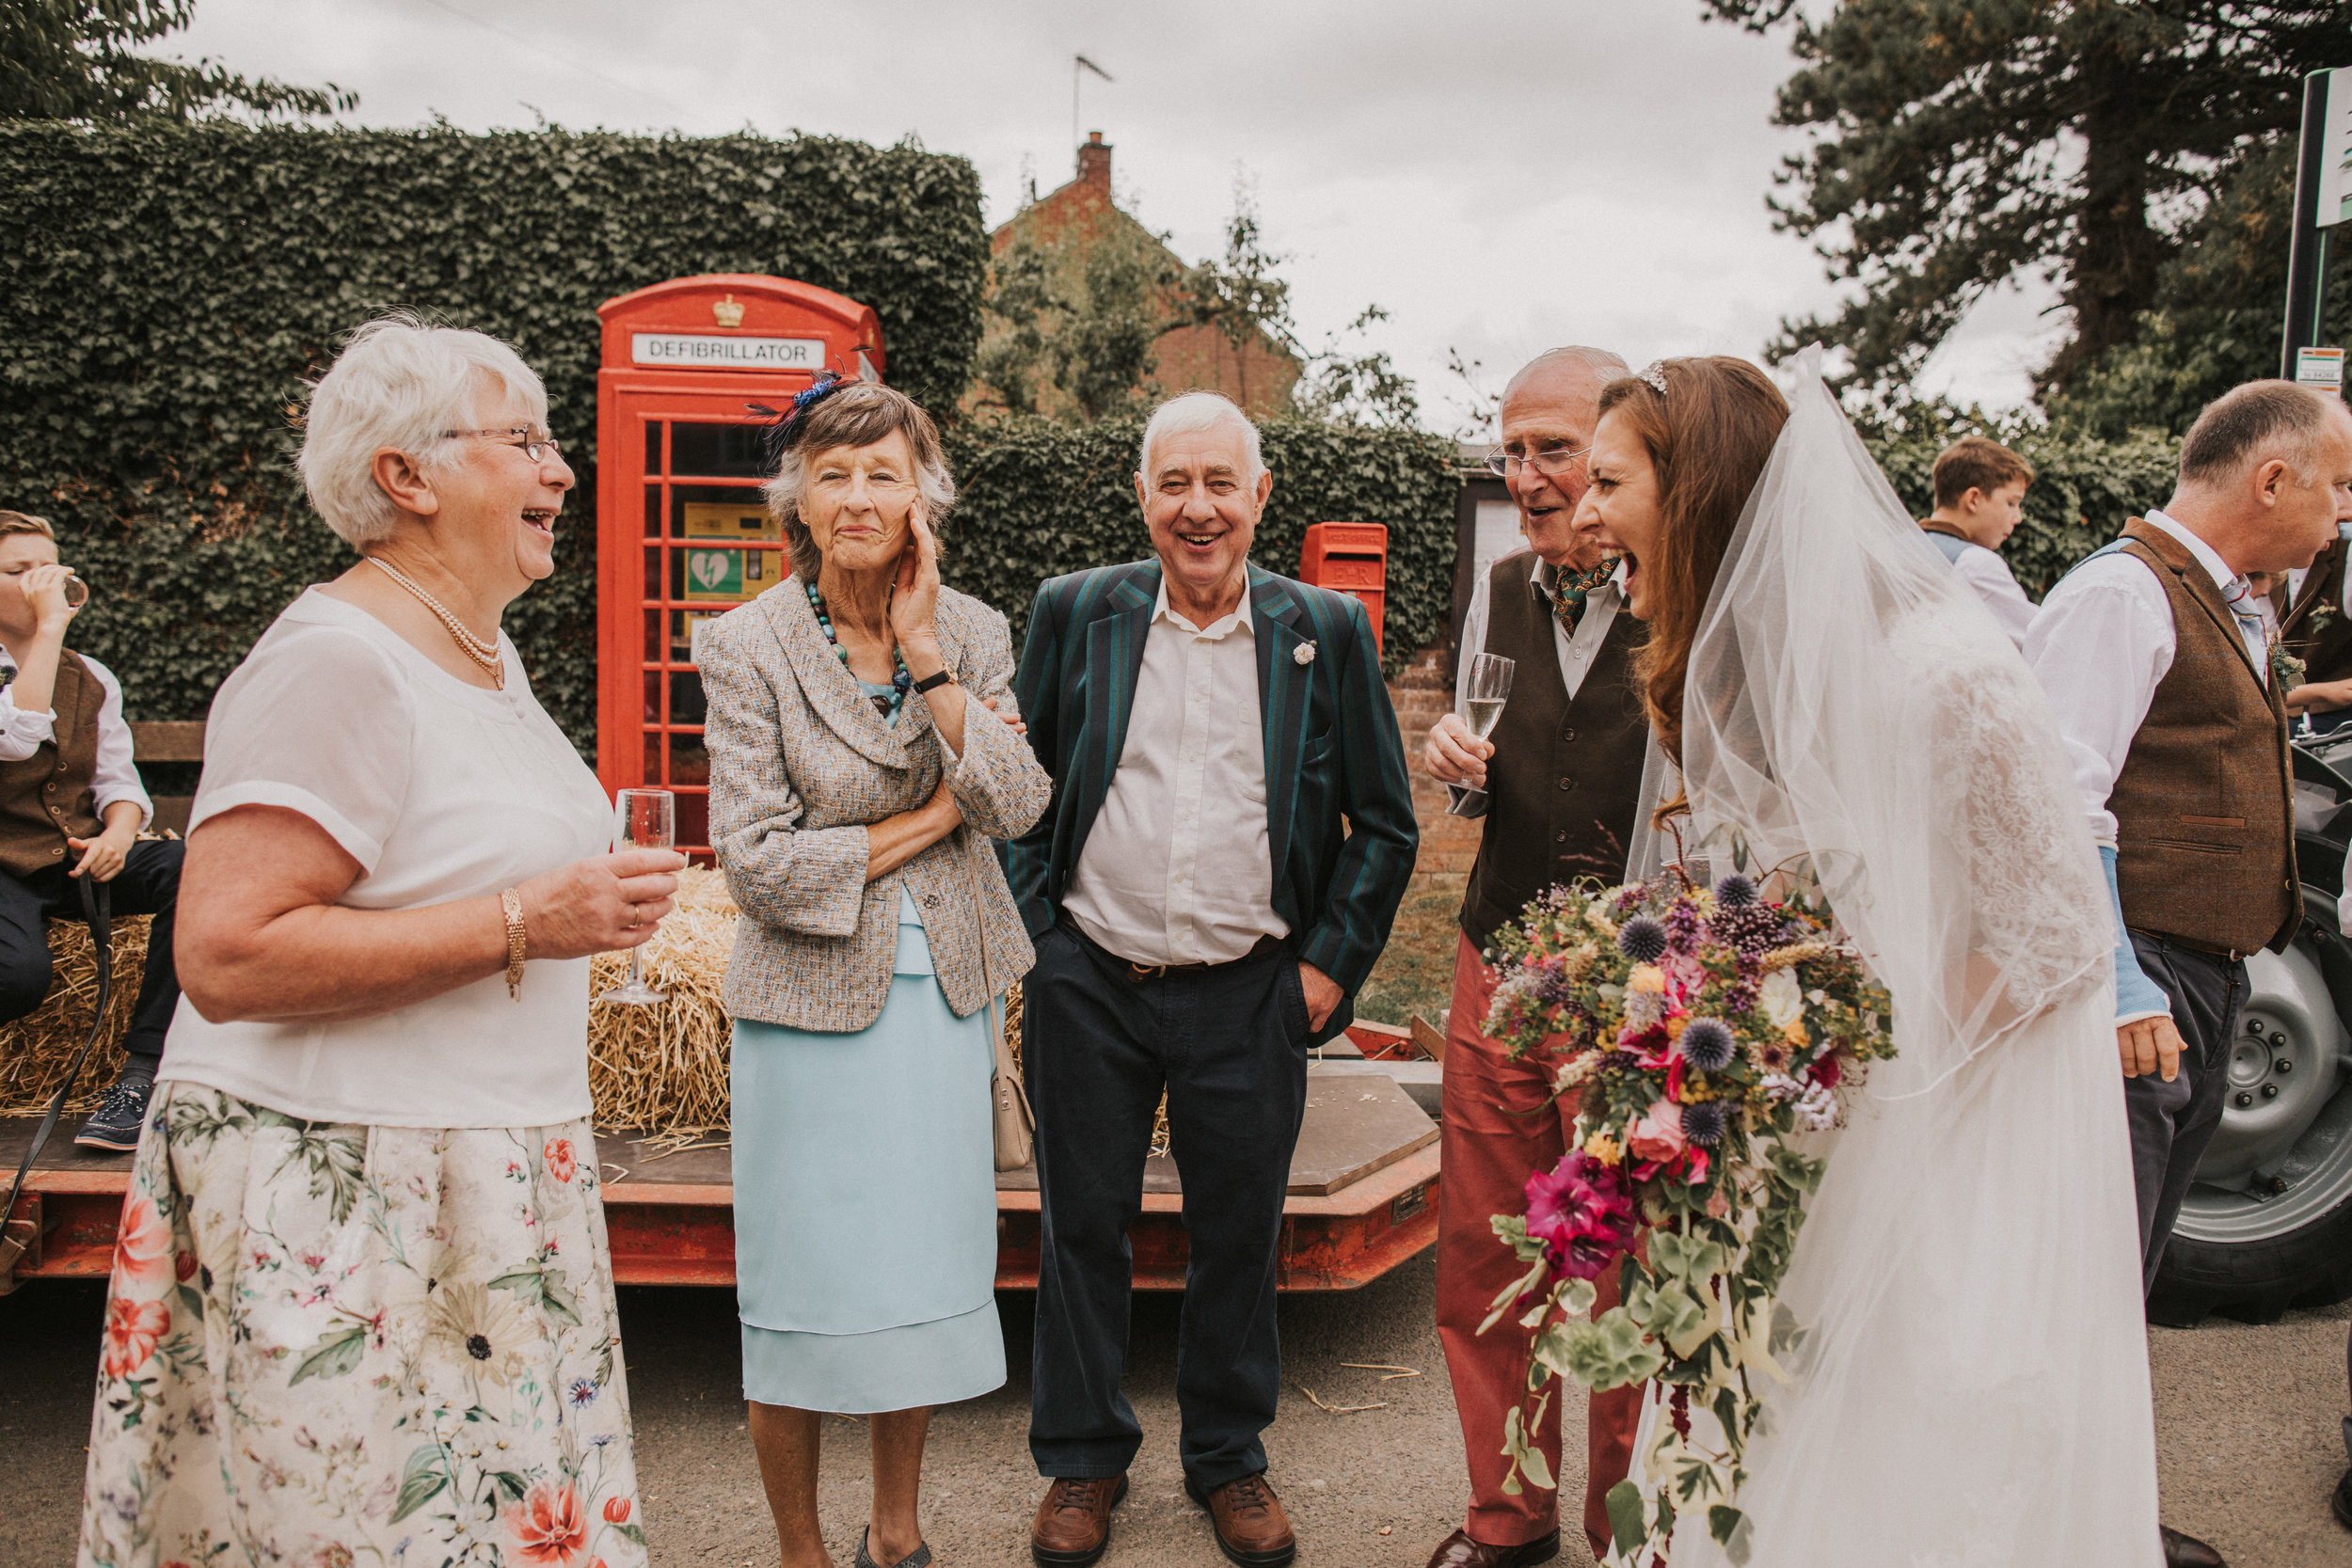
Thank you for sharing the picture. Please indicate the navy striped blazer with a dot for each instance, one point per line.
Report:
(1338, 805)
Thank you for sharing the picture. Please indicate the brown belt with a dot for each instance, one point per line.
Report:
(1151, 971)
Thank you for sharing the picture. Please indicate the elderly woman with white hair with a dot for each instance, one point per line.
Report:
(362, 1304)
(857, 782)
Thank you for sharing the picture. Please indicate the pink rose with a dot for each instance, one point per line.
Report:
(1658, 1134)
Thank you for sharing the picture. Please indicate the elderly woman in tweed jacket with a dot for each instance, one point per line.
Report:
(856, 781)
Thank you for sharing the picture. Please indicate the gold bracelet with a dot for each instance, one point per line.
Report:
(512, 902)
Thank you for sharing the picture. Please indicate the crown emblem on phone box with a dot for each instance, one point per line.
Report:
(726, 312)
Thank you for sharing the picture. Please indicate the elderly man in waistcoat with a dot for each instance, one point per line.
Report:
(1231, 832)
(1561, 772)
(2157, 663)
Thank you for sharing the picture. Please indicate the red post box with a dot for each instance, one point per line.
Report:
(682, 533)
(1352, 558)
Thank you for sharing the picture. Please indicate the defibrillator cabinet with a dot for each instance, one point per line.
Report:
(682, 533)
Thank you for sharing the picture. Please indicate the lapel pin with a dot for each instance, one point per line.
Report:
(1303, 653)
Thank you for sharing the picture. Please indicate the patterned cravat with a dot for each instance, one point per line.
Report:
(1569, 589)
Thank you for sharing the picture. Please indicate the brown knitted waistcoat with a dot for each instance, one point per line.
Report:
(2204, 806)
(1565, 779)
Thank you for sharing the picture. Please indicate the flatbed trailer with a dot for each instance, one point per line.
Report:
(1363, 1194)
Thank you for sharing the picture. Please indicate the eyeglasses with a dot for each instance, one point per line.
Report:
(1552, 461)
(515, 435)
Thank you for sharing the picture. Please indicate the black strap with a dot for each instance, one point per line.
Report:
(95, 911)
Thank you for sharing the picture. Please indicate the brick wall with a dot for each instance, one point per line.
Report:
(1423, 693)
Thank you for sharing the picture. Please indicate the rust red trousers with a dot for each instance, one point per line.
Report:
(1491, 1146)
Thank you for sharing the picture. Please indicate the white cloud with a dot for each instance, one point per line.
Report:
(1502, 177)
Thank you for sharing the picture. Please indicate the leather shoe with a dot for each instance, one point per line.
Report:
(1459, 1551)
(2186, 1551)
(1251, 1528)
(1073, 1523)
(2341, 1503)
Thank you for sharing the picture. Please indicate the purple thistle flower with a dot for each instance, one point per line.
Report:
(1707, 1044)
(1642, 940)
(1704, 1124)
(1735, 891)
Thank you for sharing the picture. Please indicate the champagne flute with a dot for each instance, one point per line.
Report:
(643, 819)
(1483, 696)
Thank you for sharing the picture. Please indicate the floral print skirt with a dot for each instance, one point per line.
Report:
(333, 1344)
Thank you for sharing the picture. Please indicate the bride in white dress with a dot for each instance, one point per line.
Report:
(1973, 1388)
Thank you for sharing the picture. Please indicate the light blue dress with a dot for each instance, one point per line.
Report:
(865, 1202)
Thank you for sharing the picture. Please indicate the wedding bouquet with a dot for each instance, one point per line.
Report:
(1699, 1031)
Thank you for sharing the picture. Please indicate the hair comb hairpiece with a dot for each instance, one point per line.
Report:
(1654, 375)
(785, 426)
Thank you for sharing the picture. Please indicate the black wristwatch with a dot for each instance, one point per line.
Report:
(933, 683)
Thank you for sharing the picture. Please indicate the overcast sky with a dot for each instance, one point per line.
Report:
(1502, 177)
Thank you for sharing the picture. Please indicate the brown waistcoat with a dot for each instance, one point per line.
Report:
(47, 795)
(2204, 806)
(1565, 779)
(2314, 627)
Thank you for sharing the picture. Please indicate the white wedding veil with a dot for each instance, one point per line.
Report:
(1973, 1381)
(1851, 704)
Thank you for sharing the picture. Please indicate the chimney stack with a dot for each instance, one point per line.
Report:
(1094, 163)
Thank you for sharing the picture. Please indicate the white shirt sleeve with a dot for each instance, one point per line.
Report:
(1989, 578)
(317, 720)
(116, 777)
(2102, 642)
(1473, 636)
(22, 733)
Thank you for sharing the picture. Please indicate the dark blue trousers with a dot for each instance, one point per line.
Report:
(1230, 1045)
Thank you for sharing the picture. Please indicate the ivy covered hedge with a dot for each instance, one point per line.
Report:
(1041, 497)
(165, 291)
(2082, 493)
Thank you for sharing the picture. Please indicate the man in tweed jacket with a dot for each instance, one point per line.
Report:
(1231, 831)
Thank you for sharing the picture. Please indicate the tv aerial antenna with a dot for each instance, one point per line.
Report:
(1079, 64)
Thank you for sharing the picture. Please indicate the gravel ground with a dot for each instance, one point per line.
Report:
(2246, 1419)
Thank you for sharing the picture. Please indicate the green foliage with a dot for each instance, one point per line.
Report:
(1083, 310)
(2084, 488)
(74, 59)
(1961, 145)
(168, 288)
(1038, 498)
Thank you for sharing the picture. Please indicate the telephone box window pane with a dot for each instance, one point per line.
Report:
(682, 625)
(653, 697)
(692, 820)
(653, 571)
(653, 759)
(719, 451)
(653, 634)
(721, 512)
(723, 576)
(653, 509)
(688, 763)
(686, 697)
(652, 446)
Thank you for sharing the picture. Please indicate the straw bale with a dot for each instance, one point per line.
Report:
(36, 1050)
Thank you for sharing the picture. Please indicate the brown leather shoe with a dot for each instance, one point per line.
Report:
(2186, 1551)
(1459, 1551)
(1073, 1523)
(1250, 1525)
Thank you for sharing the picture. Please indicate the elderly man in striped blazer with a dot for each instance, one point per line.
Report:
(1231, 832)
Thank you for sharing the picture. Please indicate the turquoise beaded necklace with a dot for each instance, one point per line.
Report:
(900, 682)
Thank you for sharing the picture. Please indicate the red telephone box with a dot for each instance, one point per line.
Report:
(682, 534)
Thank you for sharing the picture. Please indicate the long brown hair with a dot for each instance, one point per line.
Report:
(1708, 436)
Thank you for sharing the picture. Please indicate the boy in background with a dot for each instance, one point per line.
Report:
(71, 804)
(1979, 500)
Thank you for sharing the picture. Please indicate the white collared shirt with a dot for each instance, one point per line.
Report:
(1576, 653)
(116, 776)
(1995, 585)
(2103, 642)
(1177, 868)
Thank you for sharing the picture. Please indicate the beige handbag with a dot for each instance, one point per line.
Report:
(1008, 1098)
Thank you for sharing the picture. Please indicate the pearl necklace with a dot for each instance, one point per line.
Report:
(900, 682)
(484, 654)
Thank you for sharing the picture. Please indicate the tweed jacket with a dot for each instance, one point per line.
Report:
(1340, 826)
(801, 763)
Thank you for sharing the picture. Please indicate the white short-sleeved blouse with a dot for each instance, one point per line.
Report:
(441, 791)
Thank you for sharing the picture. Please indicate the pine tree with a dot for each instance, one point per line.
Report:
(1966, 144)
(73, 60)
